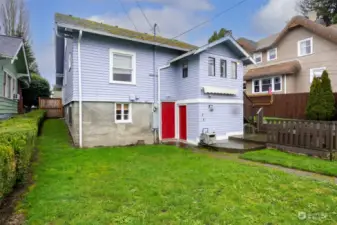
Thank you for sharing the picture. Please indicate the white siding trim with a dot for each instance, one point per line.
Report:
(133, 55)
(285, 84)
(205, 100)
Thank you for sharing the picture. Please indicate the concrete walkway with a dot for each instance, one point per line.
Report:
(235, 157)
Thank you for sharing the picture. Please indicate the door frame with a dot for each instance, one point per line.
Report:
(161, 121)
(177, 121)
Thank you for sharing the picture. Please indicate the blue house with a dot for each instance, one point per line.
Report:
(122, 87)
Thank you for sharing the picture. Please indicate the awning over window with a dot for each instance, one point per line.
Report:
(219, 90)
(291, 67)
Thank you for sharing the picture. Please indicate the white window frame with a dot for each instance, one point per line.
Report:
(133, 75)
(299, 47)
(272, 84)
(12, 90)
(130, 112)
(312, 73)
(268, 54)
(258, 55)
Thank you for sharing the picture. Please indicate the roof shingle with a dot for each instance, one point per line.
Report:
(115, 30)
(9, 45)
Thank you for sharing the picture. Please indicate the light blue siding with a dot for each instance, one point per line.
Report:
(226, 118)
(220, 52)
(193, 122)
(95, 69)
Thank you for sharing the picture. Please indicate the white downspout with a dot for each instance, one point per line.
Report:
(159, 101)
(80, 88)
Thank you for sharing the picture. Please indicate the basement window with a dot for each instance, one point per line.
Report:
(123, 113)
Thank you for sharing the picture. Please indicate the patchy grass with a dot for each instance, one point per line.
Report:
(164, 185)
(301, 162)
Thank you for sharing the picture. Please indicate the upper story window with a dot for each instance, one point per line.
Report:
(264, 85)
(234, 73)
(272, 54)
(122, 67)
(123, 113)
(223, 68)
(185, 69)
(316, 72)
(305, 47)
(211, 66)
(258, 57)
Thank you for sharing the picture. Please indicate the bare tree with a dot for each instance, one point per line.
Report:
(14, 17)
(15, 22)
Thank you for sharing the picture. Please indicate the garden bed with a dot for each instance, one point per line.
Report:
(294, 161)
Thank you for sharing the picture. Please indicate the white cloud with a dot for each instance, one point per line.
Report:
(171, 21)
(185, 4)
(273, 16)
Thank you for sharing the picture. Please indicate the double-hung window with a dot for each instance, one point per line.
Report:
(211, 66)
(123, 113)
(234, 73)
(223, 68)
(258, 57)
(185, 69)
(272, 54)
(122, 67)
(264, 85)
(8, 86)
(305, 47)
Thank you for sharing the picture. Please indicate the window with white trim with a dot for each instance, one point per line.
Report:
(316, 72)
(258, 57)
(264, 85)
(8, 86)
(234, 73)
(122, 67)
(211, 66)
(223, 68)
(272, 54)
(305, 47)
(123, 113)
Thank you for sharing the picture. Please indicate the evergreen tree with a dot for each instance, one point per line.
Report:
(328, 96)
(217, 35)
(213, 37)
(315, 108)
(327, 9)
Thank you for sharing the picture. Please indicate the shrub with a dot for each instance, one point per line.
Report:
(17, 140)
(321, 102)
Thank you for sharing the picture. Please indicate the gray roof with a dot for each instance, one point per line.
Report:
(9, 46)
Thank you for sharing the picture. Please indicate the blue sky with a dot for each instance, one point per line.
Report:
(253, 19)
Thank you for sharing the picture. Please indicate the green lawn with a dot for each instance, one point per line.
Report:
(301, 162)
(164, 185)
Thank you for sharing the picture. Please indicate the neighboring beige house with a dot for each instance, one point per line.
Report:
(287, 62)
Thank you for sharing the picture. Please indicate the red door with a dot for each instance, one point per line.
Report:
(167, 120)
(182, 122)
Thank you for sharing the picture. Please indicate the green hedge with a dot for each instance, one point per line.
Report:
(17, 141)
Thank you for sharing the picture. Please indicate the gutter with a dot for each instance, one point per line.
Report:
(80, 89)
(159, 102)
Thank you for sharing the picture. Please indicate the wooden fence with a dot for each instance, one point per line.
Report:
(317, 138)
(291, 106)
(53, 106)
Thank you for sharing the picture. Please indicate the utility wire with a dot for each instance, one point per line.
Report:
(127, 14)
(141, 9)
(207, 21)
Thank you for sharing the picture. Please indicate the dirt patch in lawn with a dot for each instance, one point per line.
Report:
(9, 203)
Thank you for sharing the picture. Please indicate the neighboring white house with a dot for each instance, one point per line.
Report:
(121, 87)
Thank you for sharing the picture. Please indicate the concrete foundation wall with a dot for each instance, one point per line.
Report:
(100, 129)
